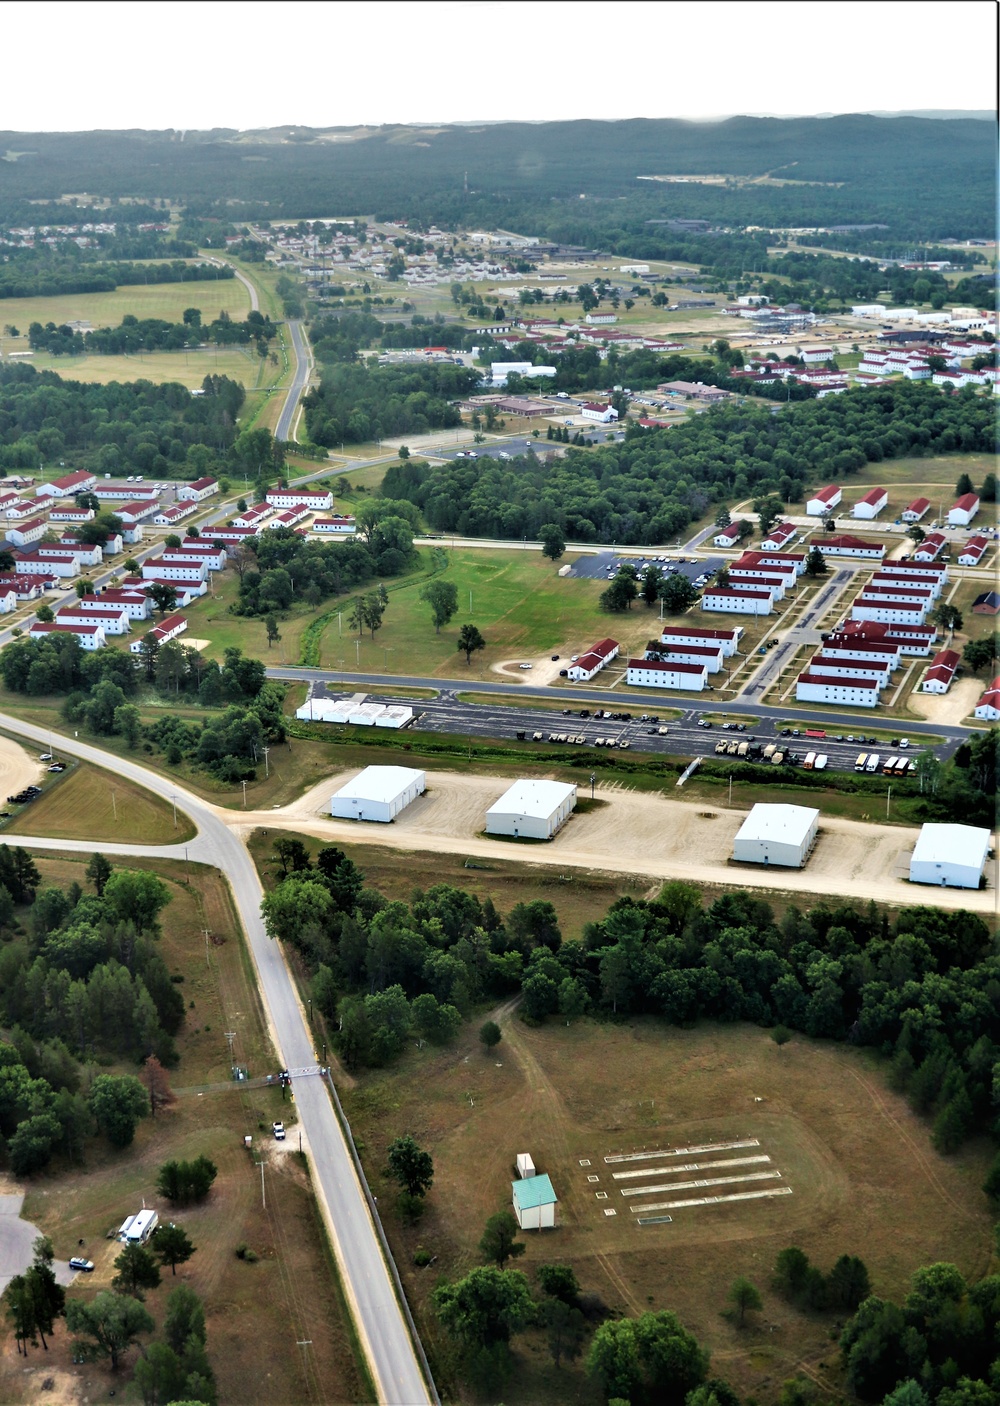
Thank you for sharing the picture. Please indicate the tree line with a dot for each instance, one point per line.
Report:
(355, 402)
(27, 277)
(153, 334)
(655, 483)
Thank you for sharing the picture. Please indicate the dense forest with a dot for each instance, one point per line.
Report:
(154, 334)
(355, 402)
(22, 277)
(847, 169)
(154, 430)
(651, 486)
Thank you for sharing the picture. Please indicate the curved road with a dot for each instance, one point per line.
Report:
(300, 378)
(381, 1327)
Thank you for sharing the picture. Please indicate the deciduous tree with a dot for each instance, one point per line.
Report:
(411, 1166)
(499, 1242)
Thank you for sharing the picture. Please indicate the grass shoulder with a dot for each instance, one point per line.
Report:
(88, 803)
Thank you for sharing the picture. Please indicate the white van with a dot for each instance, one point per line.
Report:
(873, 763)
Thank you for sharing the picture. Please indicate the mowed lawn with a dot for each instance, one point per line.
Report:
(291, 1294)
(189, 367)
(93, 804)
(940, 472)
(522, 607)
(163, 300)
(864, 1179)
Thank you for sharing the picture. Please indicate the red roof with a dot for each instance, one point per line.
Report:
(808, 677)
(967, 502)
(853, 543)
(676, 668)
(946, 659)
(740, 595)
(70, 480)
(605, 647)
(705, 649)
(873, 496)
(919, 505)
(992, 694)
(836, 643)
(702, 634)
(44, 627)
(824, 495)
(200, 483)
(889, 603)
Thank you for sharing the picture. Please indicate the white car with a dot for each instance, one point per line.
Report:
(904, 742)
(525, 666)
(278, 1129)
(78, 1262)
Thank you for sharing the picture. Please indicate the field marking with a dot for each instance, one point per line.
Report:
(616, 1157)
(689, 1185)
(690, 1167)
(716, 1200)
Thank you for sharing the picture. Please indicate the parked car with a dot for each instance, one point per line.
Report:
(525, 666)
(278, 1129)
(78, 1262)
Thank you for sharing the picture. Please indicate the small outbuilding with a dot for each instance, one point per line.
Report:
(952, 856)
(525, 1165)
(534, 1202)
(777, 834)
(378, 793)
(532, 809)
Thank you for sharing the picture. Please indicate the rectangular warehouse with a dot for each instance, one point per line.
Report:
(531, 809)
(378, 793)
(777, 834)
(950, 855)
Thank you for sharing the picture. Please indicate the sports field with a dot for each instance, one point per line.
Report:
(857, 1175)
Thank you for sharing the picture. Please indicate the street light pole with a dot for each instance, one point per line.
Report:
(244, 785)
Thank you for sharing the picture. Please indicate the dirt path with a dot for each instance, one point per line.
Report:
(951, 707)
(635, 833)
(18, 768)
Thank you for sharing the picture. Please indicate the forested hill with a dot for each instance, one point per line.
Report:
(924, 178)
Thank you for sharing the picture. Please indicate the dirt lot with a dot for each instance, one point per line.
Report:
(952, 707)
(18, 768)
(862, 1174)
(636, 833)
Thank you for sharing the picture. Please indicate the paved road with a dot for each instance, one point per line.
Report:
(837, 721)
(381, 1327)
(300, 378)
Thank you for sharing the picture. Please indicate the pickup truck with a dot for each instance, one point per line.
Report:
(278, 1129)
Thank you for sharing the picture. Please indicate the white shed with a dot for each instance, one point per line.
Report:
(534, 1202)
(777, 834)
(950, 855)
(532, 809)
(378, 793)
(525, 1166)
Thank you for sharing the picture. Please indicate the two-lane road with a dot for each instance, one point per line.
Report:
(382, 1330)
(300, 379)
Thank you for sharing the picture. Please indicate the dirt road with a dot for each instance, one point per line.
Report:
(18, 768)
(634, 833)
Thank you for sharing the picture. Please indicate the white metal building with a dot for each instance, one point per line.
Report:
(826, 688)
(950, 855)
(964, 510)
(734, 602)
(378, 793)
(823, 500)
(777, 834)
(534, 1202)
(531, 809)
(647, 673)
(871, 504)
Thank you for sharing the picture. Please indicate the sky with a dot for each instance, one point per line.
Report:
(252, 64)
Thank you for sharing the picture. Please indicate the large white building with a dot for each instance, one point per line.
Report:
(316, 501)
(647, 673)
(777, 834)
(738, 602)
(827, 688)
(823, 500)
(953, 856)
(531, 809)
(378, 793)
(871, 504)
(964, 510)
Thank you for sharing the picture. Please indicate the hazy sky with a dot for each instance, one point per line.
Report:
(255, 64)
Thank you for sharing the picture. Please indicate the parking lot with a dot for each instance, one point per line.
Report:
(605, 564)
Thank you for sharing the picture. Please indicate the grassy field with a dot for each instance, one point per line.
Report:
(862, 1172)
(938, 472)
(163, 300)
(189, 367)
(88, 803)
(290, 1294)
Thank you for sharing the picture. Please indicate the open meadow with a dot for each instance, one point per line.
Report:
(856, 1167)
(291, 1293)
(88, 803)
(142, 300)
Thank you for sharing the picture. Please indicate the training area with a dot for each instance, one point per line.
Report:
(680, 1158)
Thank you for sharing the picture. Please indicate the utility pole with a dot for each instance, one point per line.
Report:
(208, 933)
(263, 1196)
(244, 785)
(230, 1036)
(174, 802)
(888, 798)
(114, 805)
(266, 771)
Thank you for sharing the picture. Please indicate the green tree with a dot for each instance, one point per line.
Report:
(499, 1242)
(565, 1329)
(273, 633)
(848, 1284)
(769, 509)
(136, 896)
(118, 1101)
(781, 1035)
(723, 517)
(744, 1297)
(163, 596)
(137, 1271)
(790, 1270)
(128, 724)
(963, 486)
(186, 1181)
(559, 1282)
(946, 617)
(982, 654)
(988, 492)
(620, 593)
(297, 904)
(677, 593)
(107, 1326)
(185, 1318)
(442, 597)
(160, 1375)
(469, 641)
(490, 1035)
(45, 614)
(411, 1167)
(652, 580)
(172, 1246)
(553, 542)
(485, 1307)
(816, 563)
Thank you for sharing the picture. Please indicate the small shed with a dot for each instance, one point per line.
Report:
(534, 1202)
(525, 1166)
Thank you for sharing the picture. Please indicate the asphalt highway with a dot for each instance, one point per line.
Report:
(382, 1329)
(299, 380)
